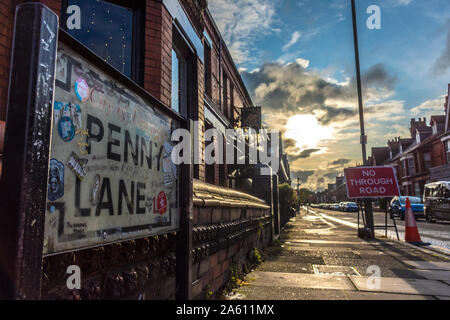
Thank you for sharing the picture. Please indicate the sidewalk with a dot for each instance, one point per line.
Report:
(317, 259)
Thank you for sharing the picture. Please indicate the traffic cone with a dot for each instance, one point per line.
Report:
(411, 232)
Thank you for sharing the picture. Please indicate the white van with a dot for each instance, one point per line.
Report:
(436, 199)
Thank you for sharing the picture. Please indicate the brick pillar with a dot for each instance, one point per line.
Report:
(6, 26)
(158, 51)
(200, 168)
(55, 6)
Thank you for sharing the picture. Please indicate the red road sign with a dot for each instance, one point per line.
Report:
(371, 182)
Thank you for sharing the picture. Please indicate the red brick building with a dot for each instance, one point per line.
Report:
(423, 157)
(163, 36)
(174, 51)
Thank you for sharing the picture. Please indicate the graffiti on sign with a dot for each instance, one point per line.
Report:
(119, 181)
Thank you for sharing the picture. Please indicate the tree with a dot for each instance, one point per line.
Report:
(306, 195)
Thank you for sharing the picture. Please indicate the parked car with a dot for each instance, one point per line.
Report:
(350, 207)
(436, 200)
(334, 206)
(397, 206)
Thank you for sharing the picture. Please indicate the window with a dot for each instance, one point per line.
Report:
(111, 31)
(411, 169)
(175, 82)
(208, 70)
(417, 191)
(427, 161)
(182, 67)
(447, 150)
(209, 168)
(435, 129)
(179, 82)
(405, 173)
(225, 95)
(436, 192)
(446, 192)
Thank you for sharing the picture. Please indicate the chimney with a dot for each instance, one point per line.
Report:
(413, 127)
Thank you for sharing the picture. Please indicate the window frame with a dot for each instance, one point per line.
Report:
(138, 31)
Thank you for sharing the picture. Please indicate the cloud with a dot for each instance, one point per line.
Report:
(291, 89)
(289, 92)
(303, 154)
(377, 75)
(403, 2)
(396, 3)
(241, 23)
(320, 179)
(442, 63)
(302, 175)
(294, 39)
(429, 108)
(339, 162)
(302, 62)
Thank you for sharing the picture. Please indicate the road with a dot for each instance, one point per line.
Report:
(437, 234)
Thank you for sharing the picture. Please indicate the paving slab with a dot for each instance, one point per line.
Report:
(314, 241)
(364, 295)
(426, 265)
(405, 286)
(284, 293)
(335, 270)
(288, 267)
(300, 280)
(434, 274)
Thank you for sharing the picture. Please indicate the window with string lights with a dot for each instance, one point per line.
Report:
(111, 29)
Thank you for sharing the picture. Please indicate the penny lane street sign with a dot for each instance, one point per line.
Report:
(371, 182)
(110, 177)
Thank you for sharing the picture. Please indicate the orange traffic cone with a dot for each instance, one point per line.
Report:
(411, 232)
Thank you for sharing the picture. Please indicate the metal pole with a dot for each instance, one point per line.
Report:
(23, 186)
(358, 84)
(298, 193)
(363, 140)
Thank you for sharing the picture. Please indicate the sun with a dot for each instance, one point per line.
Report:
(307, 131)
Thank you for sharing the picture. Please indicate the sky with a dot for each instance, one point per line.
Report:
(297, 61)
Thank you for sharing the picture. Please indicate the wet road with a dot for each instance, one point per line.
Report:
(438, 234)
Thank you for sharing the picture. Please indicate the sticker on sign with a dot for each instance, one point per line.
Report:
(371, 182)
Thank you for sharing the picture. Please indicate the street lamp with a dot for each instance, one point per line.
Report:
(363, 140)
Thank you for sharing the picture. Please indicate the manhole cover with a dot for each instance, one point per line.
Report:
(335, 270)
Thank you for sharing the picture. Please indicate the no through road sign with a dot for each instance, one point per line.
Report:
(371, 182)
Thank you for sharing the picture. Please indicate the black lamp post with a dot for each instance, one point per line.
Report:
(363, 140)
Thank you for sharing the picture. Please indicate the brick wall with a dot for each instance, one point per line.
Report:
(137, 269)
(224, 242)
(227, 227)
(54, 5)
(6, 27)
(158, 52)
